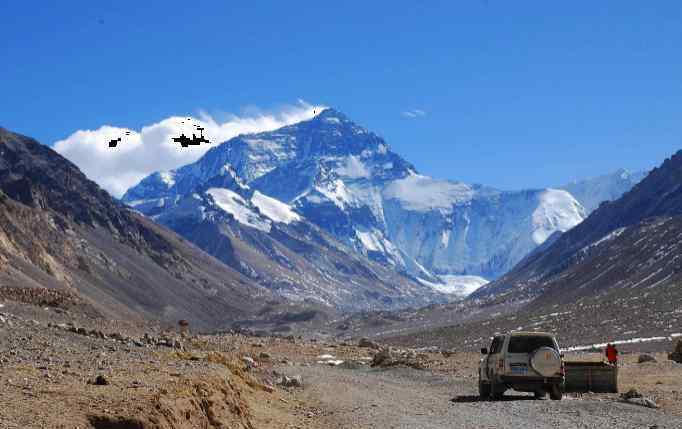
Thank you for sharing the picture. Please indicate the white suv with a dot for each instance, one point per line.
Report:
(523, 361)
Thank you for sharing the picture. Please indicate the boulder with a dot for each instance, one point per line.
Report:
(632, 396)
(295, 381)
(645, 358)
(388, 357)
(326, 357)
(643, 402)
(100, 380)
(367, 343)
(383, 358)
(249, 362)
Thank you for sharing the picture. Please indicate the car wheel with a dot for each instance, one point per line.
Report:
(540, 394)
(556, 392)
(483, 389)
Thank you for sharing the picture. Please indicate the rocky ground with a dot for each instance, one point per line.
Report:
(653, 321)
(64, 370)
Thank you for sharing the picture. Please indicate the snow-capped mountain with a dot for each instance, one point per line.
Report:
(627, 250)
(608, 187)
(274, 246)
(346, 180)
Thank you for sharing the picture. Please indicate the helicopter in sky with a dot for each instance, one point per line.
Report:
(115, 142)
(194, 141)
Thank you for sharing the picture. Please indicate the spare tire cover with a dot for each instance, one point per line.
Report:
(546, 361)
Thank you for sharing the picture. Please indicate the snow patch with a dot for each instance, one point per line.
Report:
(422, 193)
(263, 145)
(610, 236)
(445, 237)
(456, 284)
(463, 285)
(235, 205)
(369, 240)
(274, 209)
(167, 177)
(336, 192)
(617, 342)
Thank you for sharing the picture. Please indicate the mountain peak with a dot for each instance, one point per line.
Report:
(332, 117)
(330, 112)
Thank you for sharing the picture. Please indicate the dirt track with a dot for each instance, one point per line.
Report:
(406, 398)
(47, 372)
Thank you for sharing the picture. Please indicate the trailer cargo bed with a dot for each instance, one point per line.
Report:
(598, 377)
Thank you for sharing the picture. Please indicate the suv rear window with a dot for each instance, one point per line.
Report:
(526, 344)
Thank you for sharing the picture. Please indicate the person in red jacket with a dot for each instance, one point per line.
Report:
(612, 354)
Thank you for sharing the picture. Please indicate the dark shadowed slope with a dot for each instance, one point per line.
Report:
(60, 230)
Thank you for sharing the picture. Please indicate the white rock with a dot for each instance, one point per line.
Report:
(326, 357)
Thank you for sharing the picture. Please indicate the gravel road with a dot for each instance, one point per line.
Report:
(406, 398)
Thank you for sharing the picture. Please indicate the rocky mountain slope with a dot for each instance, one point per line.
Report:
(277, 248)
(346, 180)
(59, 230)
(625, 249)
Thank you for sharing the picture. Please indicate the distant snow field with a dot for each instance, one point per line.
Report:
(617, 342)
(456, 284)
(557, 211)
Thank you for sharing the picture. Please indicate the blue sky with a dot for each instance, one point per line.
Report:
(513, 94)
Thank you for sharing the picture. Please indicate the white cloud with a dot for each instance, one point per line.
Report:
(414, 113)
(151, 149)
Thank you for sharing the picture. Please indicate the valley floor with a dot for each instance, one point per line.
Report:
(408, 398)
(61, 371)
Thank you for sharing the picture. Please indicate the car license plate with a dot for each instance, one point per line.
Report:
(518, 369)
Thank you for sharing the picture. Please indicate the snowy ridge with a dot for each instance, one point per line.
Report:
(557, 211)
(346, 180)
(608, 187)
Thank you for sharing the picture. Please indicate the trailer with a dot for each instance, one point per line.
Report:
(597, 377)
